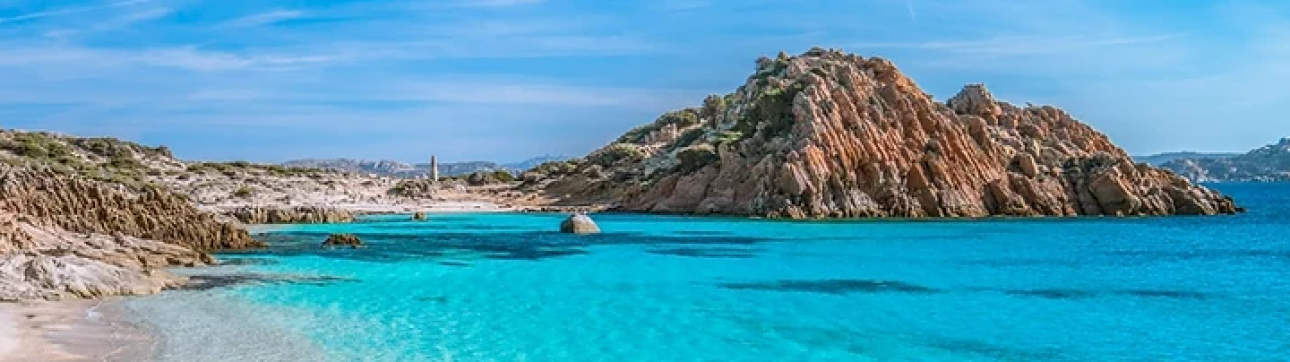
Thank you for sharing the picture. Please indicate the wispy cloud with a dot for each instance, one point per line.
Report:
(71, 10)
(398, 67)
(264, 18)
(1021, 45)
(913, 16)
(498, 3)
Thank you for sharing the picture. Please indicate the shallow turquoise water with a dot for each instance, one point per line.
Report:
(505, 287)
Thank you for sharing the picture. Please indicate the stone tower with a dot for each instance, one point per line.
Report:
(434, 168)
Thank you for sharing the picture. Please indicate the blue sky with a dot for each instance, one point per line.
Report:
(269, 80)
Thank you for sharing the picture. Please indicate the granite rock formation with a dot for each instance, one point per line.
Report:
(1269, 163)
(828, 134)
(289, 215)
(87, 206)
(343, 240)
(63, 236)
(579, 224)
(40, 261)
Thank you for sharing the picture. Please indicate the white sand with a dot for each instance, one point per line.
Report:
(71, 331)
(8, 332)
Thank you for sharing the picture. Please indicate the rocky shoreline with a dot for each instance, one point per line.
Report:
(820, 135)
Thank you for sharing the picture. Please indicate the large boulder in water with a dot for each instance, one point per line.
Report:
(343, 240)
(579, 224)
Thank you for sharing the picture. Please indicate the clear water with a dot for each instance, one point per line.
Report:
(505, 287)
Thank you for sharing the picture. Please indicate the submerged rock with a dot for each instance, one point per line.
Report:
(342, 240)
(579, 224)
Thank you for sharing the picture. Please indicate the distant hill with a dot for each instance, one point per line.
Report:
(1162, 158)
(1269, 163)
(403, 169)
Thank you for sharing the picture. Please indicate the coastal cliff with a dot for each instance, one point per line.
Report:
(828, 134)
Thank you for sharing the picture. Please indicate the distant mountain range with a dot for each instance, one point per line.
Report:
(403, 169)
(1269, 163)
(1160, 159)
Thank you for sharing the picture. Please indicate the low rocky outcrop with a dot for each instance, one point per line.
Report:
(1269, 163)
(828, 134)
(87, 206)
(343, 240)
(579, 224)
(65, 236)
(489, 178)
(289, 215)
(419, 216)
(40, 261)
(416, 188)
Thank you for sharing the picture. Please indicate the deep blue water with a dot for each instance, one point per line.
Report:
(506, 287)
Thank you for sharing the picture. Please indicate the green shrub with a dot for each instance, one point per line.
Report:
(125, 162)
(682, 119)
(503, 176)
(713, 107)
(695, 157)
(689, 137)
(106, 146)
(771, 113)
(728, 137)
(243, 192)
(38, 146)
(616, 153)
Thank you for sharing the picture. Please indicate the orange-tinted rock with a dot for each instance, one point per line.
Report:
(87, 206)
(828, 134)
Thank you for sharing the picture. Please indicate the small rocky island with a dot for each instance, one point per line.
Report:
(834, 135)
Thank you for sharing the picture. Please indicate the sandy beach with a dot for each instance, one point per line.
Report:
(83, 330)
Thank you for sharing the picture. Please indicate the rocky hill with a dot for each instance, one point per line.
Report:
(827, 134)
(407, 170)
(1269, 163)
(1162, 158)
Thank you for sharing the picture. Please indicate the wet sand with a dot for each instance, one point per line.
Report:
(82, 330)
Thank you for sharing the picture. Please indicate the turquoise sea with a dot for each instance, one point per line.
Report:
(506, 287)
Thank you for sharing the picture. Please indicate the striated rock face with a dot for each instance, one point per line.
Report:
(828, 134)
(289, 215)
(47, 262)
(85, 206)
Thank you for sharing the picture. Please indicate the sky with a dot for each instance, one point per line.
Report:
(504, 80)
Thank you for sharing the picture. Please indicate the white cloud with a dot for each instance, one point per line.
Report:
(71, 10)
(264, 18)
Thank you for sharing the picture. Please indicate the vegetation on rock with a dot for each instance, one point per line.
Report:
(828, 134)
